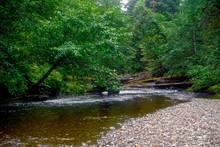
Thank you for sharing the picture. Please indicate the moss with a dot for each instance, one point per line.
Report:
(189, 89)
(215, 89)
(216, 96)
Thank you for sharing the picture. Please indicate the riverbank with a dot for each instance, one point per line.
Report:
(194, 123)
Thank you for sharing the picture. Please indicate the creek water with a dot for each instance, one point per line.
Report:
(72, 120)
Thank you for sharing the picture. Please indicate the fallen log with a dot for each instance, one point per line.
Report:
(163, 85)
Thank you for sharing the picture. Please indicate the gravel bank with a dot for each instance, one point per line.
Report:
(195, 123)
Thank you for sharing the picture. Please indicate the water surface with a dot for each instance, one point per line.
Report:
(73, 120)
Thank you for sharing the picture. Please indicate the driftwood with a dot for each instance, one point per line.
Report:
(162, 85)
(162, 82)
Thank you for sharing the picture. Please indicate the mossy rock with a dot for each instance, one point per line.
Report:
(215, 89)
(216, 96)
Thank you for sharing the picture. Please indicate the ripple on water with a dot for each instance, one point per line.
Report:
(76, 119)
(124, 95)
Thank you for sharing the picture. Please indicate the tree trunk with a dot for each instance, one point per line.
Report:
(44, 77)
(194, 41)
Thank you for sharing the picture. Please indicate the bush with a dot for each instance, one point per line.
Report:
(76, 85)
(107, 80)
(203, 76)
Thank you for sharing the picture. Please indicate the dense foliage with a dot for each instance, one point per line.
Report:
(48, 47)
(179, 38)
(62, 46)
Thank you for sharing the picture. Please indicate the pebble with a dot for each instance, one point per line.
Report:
(195, 123)
(112, 128)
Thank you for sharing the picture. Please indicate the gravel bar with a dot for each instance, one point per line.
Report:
(191, 124)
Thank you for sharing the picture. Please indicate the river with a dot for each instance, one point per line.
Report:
(73, 120)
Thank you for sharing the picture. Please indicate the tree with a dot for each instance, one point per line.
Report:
(73, 39)
(177, 38)
(149, 38)
(192, 53)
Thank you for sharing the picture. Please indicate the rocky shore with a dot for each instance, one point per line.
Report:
(194, 123)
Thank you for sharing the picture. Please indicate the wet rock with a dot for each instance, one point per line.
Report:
(104, 93)
(112, 128)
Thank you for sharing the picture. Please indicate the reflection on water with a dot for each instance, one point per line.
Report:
(69, 121)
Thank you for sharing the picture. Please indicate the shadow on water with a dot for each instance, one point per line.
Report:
(68, 121)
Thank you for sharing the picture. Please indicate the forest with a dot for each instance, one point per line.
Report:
(51, 47)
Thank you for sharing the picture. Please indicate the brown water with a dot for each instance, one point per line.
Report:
(74, 120)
